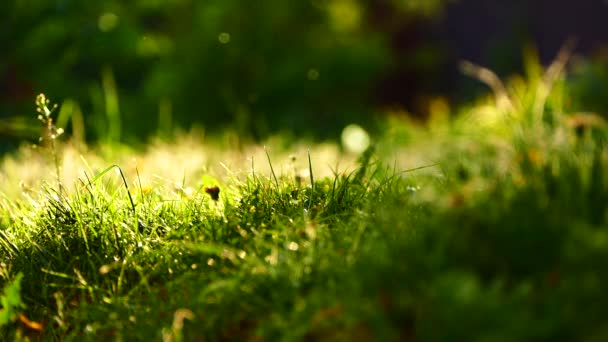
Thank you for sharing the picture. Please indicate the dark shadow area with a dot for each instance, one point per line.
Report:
(137, 69)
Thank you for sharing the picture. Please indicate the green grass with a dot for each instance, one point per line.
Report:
(502, 237)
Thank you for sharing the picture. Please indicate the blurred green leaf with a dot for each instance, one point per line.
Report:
(11, 300)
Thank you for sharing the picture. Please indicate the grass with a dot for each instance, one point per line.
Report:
(502, 235)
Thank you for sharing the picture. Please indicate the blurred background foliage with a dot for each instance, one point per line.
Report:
(124, 71)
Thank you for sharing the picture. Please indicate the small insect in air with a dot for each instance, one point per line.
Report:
(214, 192)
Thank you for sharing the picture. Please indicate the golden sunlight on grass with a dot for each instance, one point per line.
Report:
(187, 163)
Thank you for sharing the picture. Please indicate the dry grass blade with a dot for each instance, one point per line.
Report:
(488, 77)
(551, 75)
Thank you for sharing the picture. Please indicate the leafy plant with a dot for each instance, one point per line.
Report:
(50, 132)
(11, 302)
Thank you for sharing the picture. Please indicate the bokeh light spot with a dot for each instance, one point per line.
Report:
(107, 22)
(355, 139)
(345, 15)
(224, 38)
(313, 74)
(293, 246)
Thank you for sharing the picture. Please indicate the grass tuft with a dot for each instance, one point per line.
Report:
(475, 232)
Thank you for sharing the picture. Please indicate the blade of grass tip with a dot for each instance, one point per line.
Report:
(141, 189)
(419, 168)
(89, 188)
(335, 183)
(56, 274)
(489, 78)
(364, 161)
(124, 180)
(99, 176)
(143, 280)
(184, 180)
(228, 170)
(137, 223)
(249, 181)
(121, 276)
(271, 168)
(65, 205)
(7, 243)
(86, 164)
(312, 180)
(102, 173)
(551, 76)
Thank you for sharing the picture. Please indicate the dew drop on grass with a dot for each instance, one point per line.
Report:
(412, 189)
